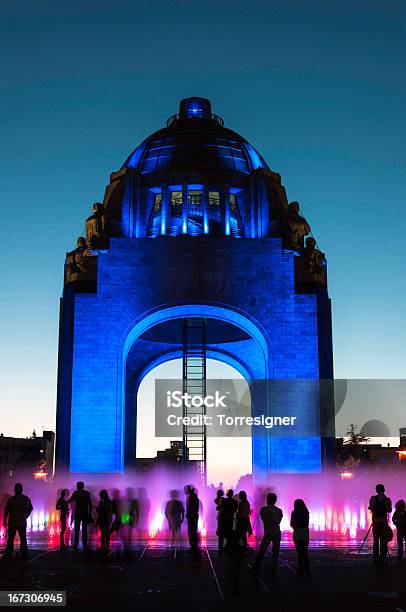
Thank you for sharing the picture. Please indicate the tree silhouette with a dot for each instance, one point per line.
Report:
(353, 448)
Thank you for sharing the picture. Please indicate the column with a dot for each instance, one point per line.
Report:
(222, 208)
(253, 207)
(164, 208)
(205, 204)
(227, 209)
(137, 196)
(185, 208)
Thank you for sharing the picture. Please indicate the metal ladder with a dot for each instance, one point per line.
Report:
(194, 383)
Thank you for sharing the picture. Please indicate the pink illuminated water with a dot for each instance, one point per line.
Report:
(337, 506)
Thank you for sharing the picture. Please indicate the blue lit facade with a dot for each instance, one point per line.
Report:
(198, 226)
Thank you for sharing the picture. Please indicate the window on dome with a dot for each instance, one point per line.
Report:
(211, 155)
(195, 213)
(214, 198)
(164, 157)
(233, 202)
(149, 165)
(256, 159)
(227, 160)
(151, 158)
(157, 201)
(195, 198)
(231, 154)
(154, 221)
(237, 152)
(176, 199)
(241, 165)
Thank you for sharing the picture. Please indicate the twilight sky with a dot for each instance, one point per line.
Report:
(318, 87)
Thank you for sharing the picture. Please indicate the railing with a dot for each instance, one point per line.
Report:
(214, 117)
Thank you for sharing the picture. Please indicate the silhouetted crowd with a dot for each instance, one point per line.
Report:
(120, 515)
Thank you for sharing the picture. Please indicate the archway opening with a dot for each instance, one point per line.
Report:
(228, 458)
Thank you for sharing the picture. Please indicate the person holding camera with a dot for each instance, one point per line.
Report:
(380, 506)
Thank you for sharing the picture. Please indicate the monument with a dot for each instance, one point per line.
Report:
(194, 230)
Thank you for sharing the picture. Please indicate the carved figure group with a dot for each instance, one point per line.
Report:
(297, 227)
(310, 264)
(313, 259)
(80, 264)
(98, 228)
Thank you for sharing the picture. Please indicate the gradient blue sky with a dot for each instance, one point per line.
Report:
(318, 87)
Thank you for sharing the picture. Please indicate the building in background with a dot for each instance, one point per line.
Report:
(366, 456)
(195, 252)
(25, 456)
(171, 457)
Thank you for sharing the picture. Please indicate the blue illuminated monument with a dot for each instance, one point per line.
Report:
(193, 226)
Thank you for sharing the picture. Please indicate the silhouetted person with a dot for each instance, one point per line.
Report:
(118, 510)
(134, 513)
(399, 520)
(144, 507)
(18, 509)
(259, 495)
(229, 508)
(243, 523)
(218, 502)
(192, 516)
(104, 515)
(299, 521)
(380, 506)
(175, 515)
(271, 517)
(121, 519)
(234, 558)
(63, 507)
(82, 513)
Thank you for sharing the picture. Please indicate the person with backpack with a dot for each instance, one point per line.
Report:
(380, 506)
(399, 520)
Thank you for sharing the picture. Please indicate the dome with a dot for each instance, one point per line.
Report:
(196, 177)
(195, 139)
(375, 429)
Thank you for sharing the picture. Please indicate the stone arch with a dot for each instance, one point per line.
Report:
(234, 356)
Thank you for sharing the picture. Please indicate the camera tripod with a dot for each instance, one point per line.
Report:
(362, 545)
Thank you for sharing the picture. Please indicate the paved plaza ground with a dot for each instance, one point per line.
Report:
(153, 576)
